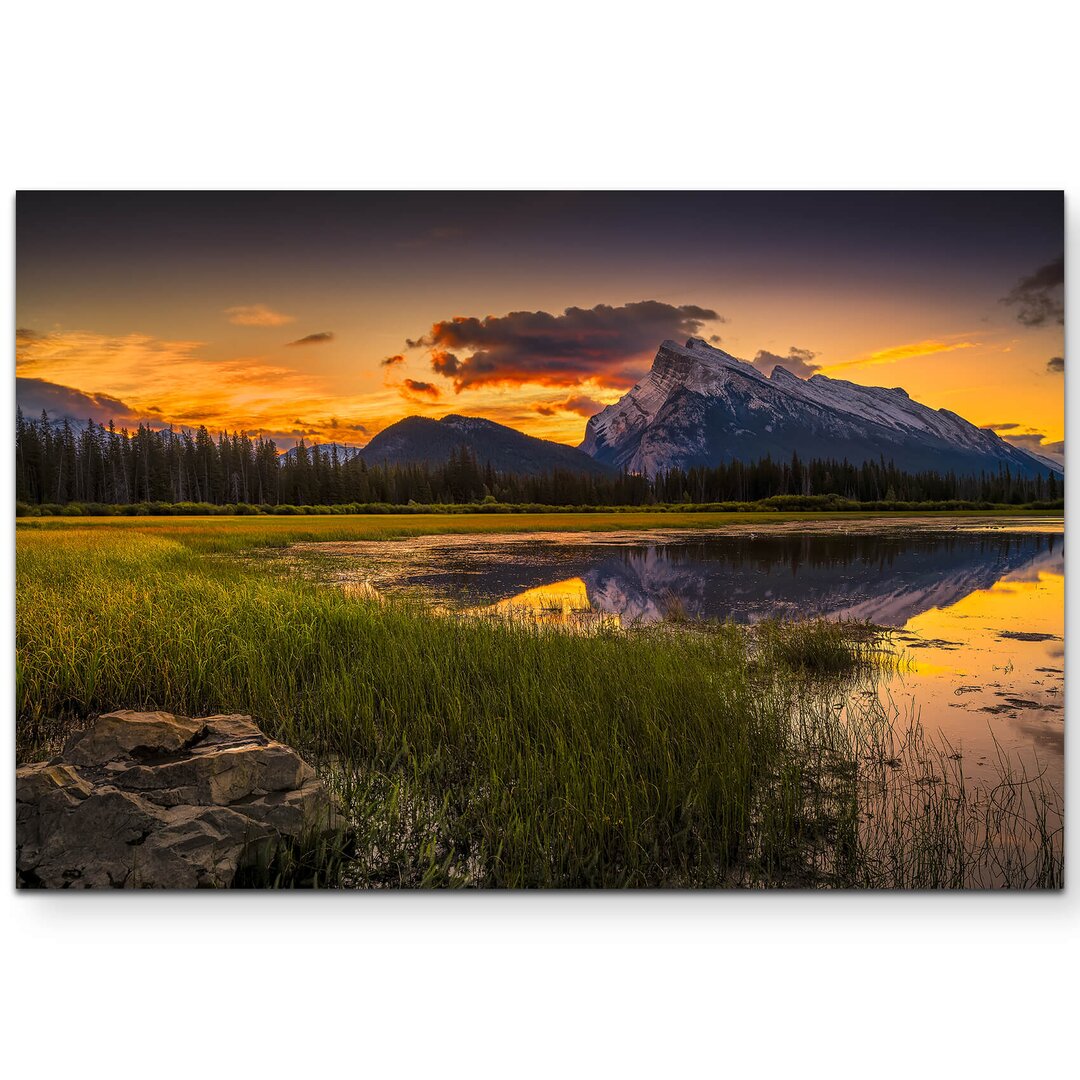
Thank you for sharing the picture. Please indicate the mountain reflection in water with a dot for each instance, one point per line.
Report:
(978, 606)
(886, 578)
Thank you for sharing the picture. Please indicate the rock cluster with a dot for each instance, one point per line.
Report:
(152, 800)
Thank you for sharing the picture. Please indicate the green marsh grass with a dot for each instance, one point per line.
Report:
(488, 752)
(236, 534)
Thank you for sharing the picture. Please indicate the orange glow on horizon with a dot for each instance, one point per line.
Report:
(316, 396)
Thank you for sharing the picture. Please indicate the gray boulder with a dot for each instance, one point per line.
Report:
(152, 800)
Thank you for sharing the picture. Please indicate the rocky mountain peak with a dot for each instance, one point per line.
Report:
(699, 406)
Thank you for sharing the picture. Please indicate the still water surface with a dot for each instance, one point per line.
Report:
(976, 605)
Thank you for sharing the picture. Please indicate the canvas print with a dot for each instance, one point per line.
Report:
(540, 540)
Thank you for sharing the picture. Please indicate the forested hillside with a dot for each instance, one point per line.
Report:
(100, 465)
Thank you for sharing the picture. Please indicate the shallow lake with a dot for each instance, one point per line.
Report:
(977, 606)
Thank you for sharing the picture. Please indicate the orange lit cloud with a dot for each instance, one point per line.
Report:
(109, 364)
(579, 405)
(257, 315)
(169, 382)
(896, 353)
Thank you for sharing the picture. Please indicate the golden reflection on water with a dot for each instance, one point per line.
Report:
(561, 603)
(1013, 604)
(988, 669)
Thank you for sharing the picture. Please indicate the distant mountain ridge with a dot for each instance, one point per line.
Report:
(421, 440)
(700, 406)
(344, 452)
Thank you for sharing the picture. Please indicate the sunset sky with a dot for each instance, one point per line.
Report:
(329, 316)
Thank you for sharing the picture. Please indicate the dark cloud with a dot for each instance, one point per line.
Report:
(35, 395)
(1028, 438)
(23, 336)
(335, 423)
(798, 362)
(320, 338)
(1038, 444)
(1039, 298)
(413, 390)
(1055, 365)
(576, 403)
(609, 344)
(391, 361)
(445, 363)
(716, 339)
